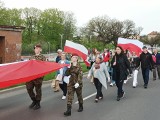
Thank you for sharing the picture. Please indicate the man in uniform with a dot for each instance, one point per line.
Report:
(75, 84)
(37, 83)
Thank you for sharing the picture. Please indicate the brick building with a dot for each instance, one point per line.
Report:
(10, 43)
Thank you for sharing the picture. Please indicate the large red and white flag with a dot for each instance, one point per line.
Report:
(131, 45)
(79, 49)
(20, 72)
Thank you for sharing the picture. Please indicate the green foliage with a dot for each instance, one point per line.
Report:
(42, 27)
(53, 74)
(93, 43)
(50, 76)
(50, 26)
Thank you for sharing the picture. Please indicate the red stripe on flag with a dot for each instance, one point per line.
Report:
(131, 47)
(25, 71)
(73, 50)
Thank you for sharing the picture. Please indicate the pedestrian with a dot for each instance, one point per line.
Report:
(156, 60)
(61, 72)
(55, 83)
(36, 83)
(100, 73)
(146, 65)
(135, 66)
(92, 56)
(75, 84)
(58, 58)
(106, 56)
(111, 71)
(121, 66)
(128, 54)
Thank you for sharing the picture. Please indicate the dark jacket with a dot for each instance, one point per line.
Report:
(58, 58)
(157, 58)
(120, 70)
(146, 60)
(135, 63)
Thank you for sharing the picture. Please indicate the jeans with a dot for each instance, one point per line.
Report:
(119, 84)
(98, 86)
(64, 88)
(145, 74)
(156, 68)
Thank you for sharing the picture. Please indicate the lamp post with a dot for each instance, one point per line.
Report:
(49, 48)
(61, 39)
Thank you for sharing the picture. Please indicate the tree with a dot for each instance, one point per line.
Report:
(51, 25)
(154, 41)
(31, 18)
(109, 30)
(69, 25)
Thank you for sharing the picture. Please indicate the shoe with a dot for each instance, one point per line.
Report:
(96, 100)
(68, 112)
(32, 105)
(80, 108)
(56, 90)
(123, 94)
(100, 98)
(111, 85)
(64, 97)
(129, 77)
(154, 79)
(125, 81)
(145, 86)
(134, 86)
(118, 98)
(37, 106)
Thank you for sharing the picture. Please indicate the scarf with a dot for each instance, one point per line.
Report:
(97, 65)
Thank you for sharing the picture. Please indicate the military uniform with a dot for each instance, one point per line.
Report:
(76, 77)
(37, 83)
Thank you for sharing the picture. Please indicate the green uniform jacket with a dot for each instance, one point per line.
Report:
(76, 75)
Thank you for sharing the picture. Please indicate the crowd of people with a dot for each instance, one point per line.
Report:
(115, 66)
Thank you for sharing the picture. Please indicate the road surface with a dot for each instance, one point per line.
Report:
(138, 104)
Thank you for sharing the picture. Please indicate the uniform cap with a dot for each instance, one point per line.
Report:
(38, 45)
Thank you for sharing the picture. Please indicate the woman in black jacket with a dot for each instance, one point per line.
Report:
(120, 66)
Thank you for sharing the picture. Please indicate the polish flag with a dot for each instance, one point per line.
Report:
(21, 72)
(79, 49)
(131, 45)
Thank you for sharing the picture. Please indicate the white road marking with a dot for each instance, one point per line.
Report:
(87, 97)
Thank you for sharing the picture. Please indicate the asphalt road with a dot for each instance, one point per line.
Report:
(138, 104)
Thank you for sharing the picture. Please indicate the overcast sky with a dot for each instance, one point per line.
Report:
(145, 13)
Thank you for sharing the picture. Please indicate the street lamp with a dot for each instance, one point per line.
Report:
(61, 39)
(49, 48)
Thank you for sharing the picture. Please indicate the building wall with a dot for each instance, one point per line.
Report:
(2, 48)
(13, 43)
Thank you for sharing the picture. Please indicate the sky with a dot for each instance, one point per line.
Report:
(145, 13)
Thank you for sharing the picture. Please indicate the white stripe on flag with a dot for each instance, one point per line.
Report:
(132, 41)
(76, 46)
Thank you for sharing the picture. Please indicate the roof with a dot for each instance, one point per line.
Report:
(11, 28)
